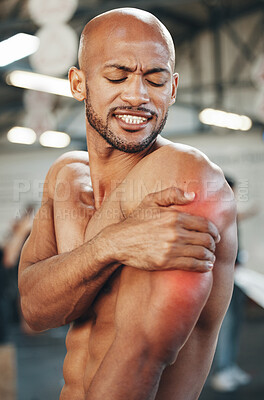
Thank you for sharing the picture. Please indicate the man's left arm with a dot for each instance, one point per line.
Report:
(184, 379)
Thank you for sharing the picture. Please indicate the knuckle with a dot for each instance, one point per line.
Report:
(202, 253)
(173, 215)
(168, 249)
(148, 197)
(194, 264)
(205, 227)
(202, 221)
(173, 190)
(208, 240)
(212, 247)
(172, 236)
(197, 266)
(178, 235)
(163, 260)
(180, 217)
(207, 224)
(177, 218)
(210, 226)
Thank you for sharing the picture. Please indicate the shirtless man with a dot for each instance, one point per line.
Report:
(117, 249)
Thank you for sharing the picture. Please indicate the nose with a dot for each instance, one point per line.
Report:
(135, 92)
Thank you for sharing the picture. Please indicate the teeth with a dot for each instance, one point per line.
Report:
(132, 119)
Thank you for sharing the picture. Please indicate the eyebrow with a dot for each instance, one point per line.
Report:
(156, 70)
(120, 67)
(128, 69)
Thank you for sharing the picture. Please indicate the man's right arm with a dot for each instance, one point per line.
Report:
(57, 288)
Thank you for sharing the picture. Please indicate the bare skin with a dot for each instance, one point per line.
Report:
(116, 248)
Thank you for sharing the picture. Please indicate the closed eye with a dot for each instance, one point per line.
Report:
(116, 80)
(156, 84)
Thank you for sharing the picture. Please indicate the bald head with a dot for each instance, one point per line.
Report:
(106, 24)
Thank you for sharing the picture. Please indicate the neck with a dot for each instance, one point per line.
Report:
(109, 167)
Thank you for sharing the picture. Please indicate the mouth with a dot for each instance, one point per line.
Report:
(133, 121)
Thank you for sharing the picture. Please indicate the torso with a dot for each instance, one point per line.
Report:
(88, 341)
(90, 337)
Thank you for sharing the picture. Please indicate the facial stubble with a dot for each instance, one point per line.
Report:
(113, 139)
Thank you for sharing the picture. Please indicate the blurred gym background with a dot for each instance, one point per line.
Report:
(219, 109)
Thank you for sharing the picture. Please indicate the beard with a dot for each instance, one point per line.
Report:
(110, 137)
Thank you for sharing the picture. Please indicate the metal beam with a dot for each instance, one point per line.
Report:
(216, 20)
(14, 13)
(176, 16)
(218, 67)
(226, 17)
(211, 86)
(12, 26)
(246, 54)
(231, 14)
(238, 42)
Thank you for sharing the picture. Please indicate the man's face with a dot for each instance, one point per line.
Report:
(129, 88)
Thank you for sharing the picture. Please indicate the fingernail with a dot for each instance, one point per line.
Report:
(218, 238)
(189, 195)
(209, 265)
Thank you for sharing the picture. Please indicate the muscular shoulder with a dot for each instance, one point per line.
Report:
(183, 162)
(68, 167)
(189, 169)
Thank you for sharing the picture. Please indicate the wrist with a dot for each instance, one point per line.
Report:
(105, 248)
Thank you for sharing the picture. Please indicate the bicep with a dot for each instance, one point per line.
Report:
(41, 243)
(185, 379)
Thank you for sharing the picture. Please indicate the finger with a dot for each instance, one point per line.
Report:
(198, 239)
(191, 264)
(194, 251)
(171, 196)
(200, 224)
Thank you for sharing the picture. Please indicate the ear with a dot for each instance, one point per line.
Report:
(77, 83)
(175, 81)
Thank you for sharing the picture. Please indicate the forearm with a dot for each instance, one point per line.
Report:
(60, 289)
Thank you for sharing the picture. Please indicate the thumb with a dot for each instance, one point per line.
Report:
(172, 196)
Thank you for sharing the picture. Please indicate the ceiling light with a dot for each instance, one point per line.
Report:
(42, 83)
(54, 139)
(21, 135)
(17, 47)
(224, 119)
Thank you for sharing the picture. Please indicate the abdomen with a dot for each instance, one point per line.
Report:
(75, 361)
